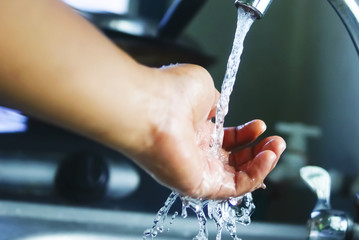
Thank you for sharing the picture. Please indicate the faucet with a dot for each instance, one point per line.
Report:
(325, 223)
(348, 11)
(259, 7)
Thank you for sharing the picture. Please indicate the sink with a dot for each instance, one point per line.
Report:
(29, 221)
(77, 236)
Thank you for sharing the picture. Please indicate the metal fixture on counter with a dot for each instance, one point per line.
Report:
(329, 224)
(319, 182)
(326, 223)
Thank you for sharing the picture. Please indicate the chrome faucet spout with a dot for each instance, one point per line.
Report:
(259, 7)
(348, 11)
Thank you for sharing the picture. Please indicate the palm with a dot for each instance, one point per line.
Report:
(242, 165)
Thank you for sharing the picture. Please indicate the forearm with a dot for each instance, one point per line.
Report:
(57, 67)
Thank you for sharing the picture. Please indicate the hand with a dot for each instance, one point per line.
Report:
(180, 157)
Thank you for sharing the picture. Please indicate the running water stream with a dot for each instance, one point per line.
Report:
(234, 210)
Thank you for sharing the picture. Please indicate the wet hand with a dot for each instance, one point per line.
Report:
(243, 162)
(248, 161)
(181, 157)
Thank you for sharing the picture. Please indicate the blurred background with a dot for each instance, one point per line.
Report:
(299, 73)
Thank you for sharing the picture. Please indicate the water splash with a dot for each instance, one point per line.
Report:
(159, 221)
(197, 206)
(234, 210)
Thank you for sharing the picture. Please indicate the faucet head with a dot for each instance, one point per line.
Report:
(259, 7)
(328, 224)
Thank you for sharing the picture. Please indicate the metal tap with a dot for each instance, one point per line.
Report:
(348, 11)
(326, 223)
(258, 6)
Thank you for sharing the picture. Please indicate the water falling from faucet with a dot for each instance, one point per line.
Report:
(234, 210)
(244, 22)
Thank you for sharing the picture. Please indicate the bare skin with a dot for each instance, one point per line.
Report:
(55, 66)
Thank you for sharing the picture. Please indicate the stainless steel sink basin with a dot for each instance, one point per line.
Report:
(77, 236)
(25, 221)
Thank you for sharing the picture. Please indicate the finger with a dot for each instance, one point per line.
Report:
(252, 165)
(275, 144)
(248, 179)
(236, 159)
(242, 135)
(253, 175)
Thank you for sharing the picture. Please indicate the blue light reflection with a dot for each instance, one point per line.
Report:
(12, 121)
(112, 6)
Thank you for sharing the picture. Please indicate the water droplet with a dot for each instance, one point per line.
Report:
(235, 201)
(147, 232)
(184, 213)
(173, 217)
(154, 233)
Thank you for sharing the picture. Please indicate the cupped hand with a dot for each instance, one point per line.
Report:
(181, 157)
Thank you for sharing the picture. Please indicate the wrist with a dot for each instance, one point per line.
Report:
(133, 111)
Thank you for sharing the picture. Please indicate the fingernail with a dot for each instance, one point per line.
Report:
(272, 156)
(282, 147)
(264, 127)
